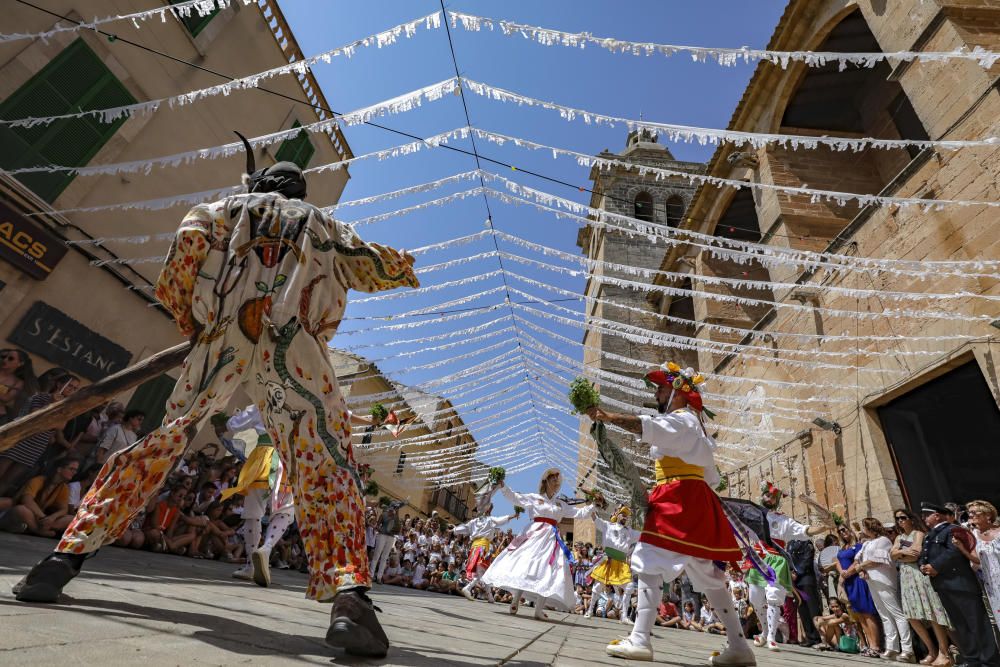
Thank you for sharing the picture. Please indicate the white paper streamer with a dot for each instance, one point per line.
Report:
(395, 194)
(391, 296)
(723, 56)
(299, 68)
(468, 331)
(741, 251)
(704, 135)
(441, 201)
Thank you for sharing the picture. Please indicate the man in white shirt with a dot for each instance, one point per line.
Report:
(120, 436)
(686, 528)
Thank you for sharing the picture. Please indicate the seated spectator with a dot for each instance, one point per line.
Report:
(743, 609)
(709, 620)
(420, 580)
(393, 575)
(604, 604)
(133, 537)
(407, 569)
(690, 618)
(87, 430)
(42, 506)
(17, 462)
(164, 532)
(581, 598)
(215, 539)
(667, 615)
(120, 434)
(17, 380)
(831, 626)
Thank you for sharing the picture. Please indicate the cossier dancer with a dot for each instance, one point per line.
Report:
(259, 282)
(783, 529)
(537, 561)
(686, 529)
(481, 531)
(613, 571)
(263, 484)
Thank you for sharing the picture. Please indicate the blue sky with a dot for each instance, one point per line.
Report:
(674, 90)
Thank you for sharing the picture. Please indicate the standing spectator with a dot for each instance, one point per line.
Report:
(43, 507)
(120, 434)
(921, 603)
(952, 577)
(875, 565)
(806, 579)
(17, 380)
(986, 555)
(388, 528)
(856, 590)
(18, 461)
(743, 609)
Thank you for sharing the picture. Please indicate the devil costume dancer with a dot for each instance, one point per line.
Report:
(782, 529)
(536, 563)
(481, 530)
(613, 571)
(263, 482)
(686, 529)
(259, 281)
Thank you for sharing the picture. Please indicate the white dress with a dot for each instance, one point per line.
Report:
(535, 563)
(989, 558)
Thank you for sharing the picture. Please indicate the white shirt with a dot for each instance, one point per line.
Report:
(785, 528)
(483, 526)
(680, 434)
(877, 551)
(616, 535)
(117, 438)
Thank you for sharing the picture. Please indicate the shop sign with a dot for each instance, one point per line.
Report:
(27, 245)
(57, 337)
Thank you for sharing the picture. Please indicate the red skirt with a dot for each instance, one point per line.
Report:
(685, 516)
(478, 557)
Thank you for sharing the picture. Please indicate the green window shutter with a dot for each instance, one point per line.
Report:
(151, 397)
(298, 149)
(195, 23)
(75, 80)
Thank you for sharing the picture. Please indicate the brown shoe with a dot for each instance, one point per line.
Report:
(354, 626)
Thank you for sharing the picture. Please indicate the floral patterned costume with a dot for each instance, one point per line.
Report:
(261, 283)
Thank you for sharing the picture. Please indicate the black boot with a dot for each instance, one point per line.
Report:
(45, 581)
(354, 627)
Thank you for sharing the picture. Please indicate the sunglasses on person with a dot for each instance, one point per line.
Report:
(9, 357)
(901, 518)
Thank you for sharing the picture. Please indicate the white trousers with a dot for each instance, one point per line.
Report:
(767, 601)
(383, 546)
(894, 623)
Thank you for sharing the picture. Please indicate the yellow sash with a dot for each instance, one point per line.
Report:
(255, 472)
(670, 469)
(481, 542)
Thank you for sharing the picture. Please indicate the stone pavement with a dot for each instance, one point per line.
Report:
(132, 608)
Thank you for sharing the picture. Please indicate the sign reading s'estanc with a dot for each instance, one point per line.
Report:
(27, 245)
(54, 335)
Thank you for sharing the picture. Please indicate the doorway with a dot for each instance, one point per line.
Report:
(944, 437)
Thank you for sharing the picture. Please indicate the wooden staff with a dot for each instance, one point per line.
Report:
(56, 415)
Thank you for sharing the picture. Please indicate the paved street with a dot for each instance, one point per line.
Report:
(133, 608)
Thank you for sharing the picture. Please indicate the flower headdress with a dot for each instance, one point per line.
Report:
(686, 381)
(770, 495)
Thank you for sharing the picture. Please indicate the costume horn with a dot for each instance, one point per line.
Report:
(251, 161)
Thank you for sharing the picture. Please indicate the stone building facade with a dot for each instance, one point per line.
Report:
(906, 407)
(79, 306)
(625, 191)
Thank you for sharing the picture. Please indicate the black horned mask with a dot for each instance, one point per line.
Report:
(283, 177)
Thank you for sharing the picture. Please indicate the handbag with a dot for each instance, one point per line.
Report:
(848, 644)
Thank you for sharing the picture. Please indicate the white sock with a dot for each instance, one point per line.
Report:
(773, 620)
(650, 592)
(276, 528)
(594, 594)
(251, 536)
(540, 607)
(723, 605)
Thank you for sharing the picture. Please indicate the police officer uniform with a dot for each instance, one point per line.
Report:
(958, 587)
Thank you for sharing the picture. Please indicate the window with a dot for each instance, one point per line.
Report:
(151, 397)
(75, 80)
(299, 149)
(195, 22)
(675, 211)
(644, 206)
(400, 463)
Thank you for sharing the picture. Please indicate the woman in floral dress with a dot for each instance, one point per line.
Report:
(921, 603)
